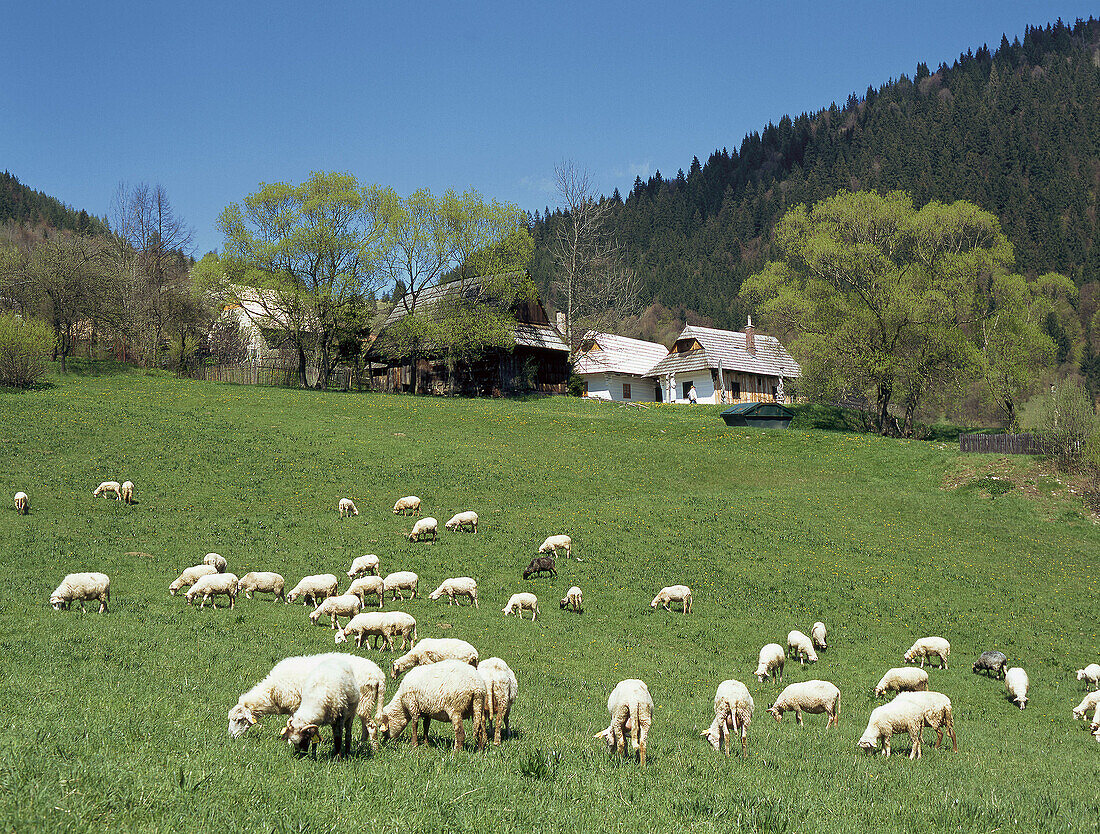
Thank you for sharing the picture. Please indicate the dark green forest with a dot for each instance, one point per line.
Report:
(21, 205)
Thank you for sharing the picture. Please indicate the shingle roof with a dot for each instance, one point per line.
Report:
(618, 354)
(728, 347)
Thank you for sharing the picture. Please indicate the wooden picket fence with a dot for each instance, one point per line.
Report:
(1002, 444)
(278, 374)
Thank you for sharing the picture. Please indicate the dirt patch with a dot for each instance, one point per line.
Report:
(139, 553)
(1035, 478)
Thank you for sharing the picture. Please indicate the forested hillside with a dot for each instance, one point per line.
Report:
(22, 205)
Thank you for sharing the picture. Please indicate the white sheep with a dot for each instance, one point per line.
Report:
(460, 521)
(818, 634)
(772, 658)
(523, 601)
(631, 708)
(410, 504)
(902, 679)
(501, 689)
(347, 508)
(190, 576)
(345, 605)
(362, 565)
(800, 646)
(108, 486)
(1091, 701)
(212, 585)
(261, 581)
(898, 716)
(460, 586)
(402, 580)
(314, 589)
(79, 587)
(573, 599)
(553, 544)
(423, 527)
(364, 586)
(1090, 675)
(809, 696)
(330, 696)
(433, 650)
(733, 706)
(22, 503)
(1095, 726)
(384, 624)
(928, 647)
(217, 560)
(673, 593)
(127, 492)
(936, 711)
(448, 690)
(1016, 685)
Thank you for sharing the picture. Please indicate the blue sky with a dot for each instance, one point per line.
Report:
(211, 99)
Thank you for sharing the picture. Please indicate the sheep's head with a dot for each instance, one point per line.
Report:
(880, 691)
(59, 602)
(656, 602)
(436, 594)
(777, 713)
(761, 675)
(606, 735)
(910, 655)
(240, 719)
(527, 572)
(300, 735)
(712, 737)
(1080, 674)
(341, 636)
(868, 744)
(394, 671)
(315, 615)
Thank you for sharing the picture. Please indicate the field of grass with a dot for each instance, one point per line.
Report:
(118, 722)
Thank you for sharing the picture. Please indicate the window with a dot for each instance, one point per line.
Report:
(626, 390)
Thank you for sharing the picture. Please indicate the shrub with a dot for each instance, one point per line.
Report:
(24, 344)
(1064, 419)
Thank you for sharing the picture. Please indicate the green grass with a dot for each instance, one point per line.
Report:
(119, 721)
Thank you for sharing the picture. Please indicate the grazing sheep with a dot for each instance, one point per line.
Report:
(460, 521)
(408, 504)
(212, 585)
(1095, 726)
(772, 658)
(402, 580)
(631, 708)
(347, 508)
(553, 544)
(937, 714)
(1090, 675)
(902, 679)
(384, 624)
(314, 589)
(362, 565)
(1016, 685)
(330, 696)
(540, 564)
(800, 646)
(518, 603)
(446, 691)
(673, 593)
(22, 503)
(462, 586)
(190, 576)
(433, 650)
(928, 647)
(127, 493)
(366, 585)
(216, 560)
(345, 605)
(1091, 701)
(108, 486)
(991, 661)
(817, 634)
(501, 688)
(809, 696)
(573, 599)
(898, 716)
(265, 582)
(423, 527)
(733, 706)
(79, 587)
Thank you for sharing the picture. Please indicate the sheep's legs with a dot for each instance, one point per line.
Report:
(460, 731)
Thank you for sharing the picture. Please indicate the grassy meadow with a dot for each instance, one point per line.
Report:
(119, 721)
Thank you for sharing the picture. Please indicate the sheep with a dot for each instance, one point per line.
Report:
(733, 706)
(330, 696)
(540, 564)
(991, 661)
(898, 716)
(347, 508)
(433, 650)
(216, 560)
(800, 646)
(927, 647)
(518, 603)
(902, 679)
(1016, 685)
(212, 585)
(79, 587)
(448, 690)
(402, 581)
(818, 634)
(1090, 675)
(363, 565)
(410, 503)
(314, 589)
(262, 582)
(462, 520)
(127, 492)
(384, 624)
(553, 544)
(573, 599)
(631, 708)
(1091, 701)
(423, 527)
(108, 486)
(809, 696)
(345, 605)
(1095, 726)
(501, 688)
(22, 503)
(190, 576)
(772, 658)
(937, 714)
(462, 586)
(673, 593)
(365, 585)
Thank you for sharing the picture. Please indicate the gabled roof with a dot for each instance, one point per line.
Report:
(727, 347)
(618, 355)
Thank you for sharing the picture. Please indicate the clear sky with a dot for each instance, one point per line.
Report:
(210, 99)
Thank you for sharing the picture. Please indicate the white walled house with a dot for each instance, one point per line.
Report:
(614, 367)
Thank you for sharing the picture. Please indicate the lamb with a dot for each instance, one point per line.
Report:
(573, 599)
(365, 585)
(460, 521)
(384, 624)
(772, 658)
(127, 492)
(402, 581)
(314, 589)
(540, 564)
(79, 587)
(423, 527)
(347, 508)
(673, 593)
(518, 603)
(212, 585)
(800, 646)
(22, 503)
(902, 679)
(448, 690)
(408, 504)
(809, 696)
(1091, 701)
(928, 647)
(262, 582)
(345, 605)
(462, 586)
(108, 486)
(362, 565)
(631, 708)
(937, 714)
(216, 560)
(733, 706)
(898, 716)
(991, 661)
(553, 544)
(330, 696)
(501, 688)
(1090, 675)
(817, 634)
(1016, 685)
(190, 576)
(433, 650)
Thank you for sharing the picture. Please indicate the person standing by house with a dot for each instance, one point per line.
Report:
(693, 398)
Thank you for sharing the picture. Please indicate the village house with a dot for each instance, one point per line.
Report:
(614, 367)
(263, 323)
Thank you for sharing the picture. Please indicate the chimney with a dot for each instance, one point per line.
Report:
(561, 322)
(750, 337)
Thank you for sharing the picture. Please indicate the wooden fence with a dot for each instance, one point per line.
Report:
(1002, 444)
(280, 374)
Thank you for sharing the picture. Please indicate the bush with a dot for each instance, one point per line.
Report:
(1063, 419)
(24, 344)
